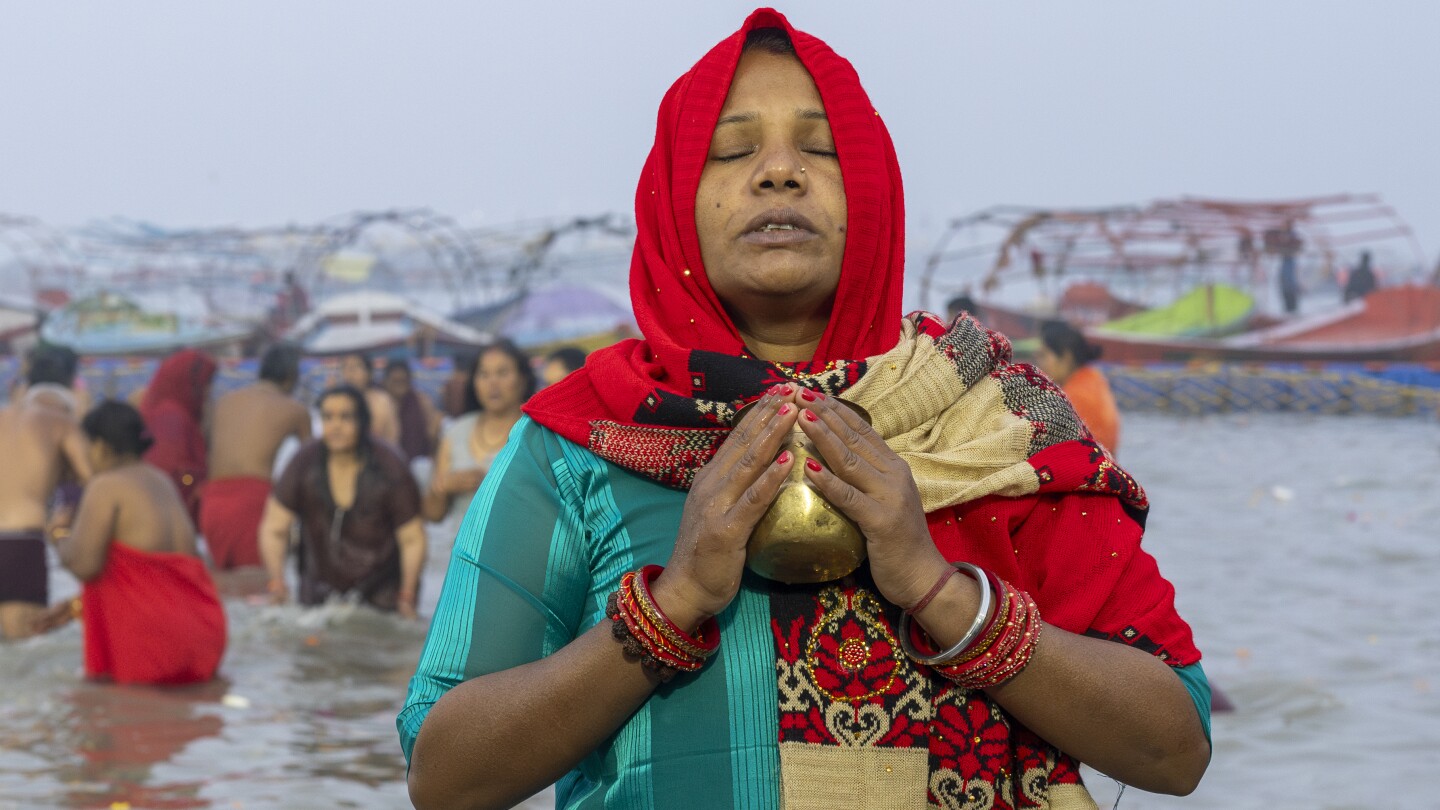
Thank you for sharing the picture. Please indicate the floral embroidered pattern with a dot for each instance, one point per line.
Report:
(844, 684)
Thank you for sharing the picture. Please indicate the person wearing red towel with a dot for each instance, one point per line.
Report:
(150, 610)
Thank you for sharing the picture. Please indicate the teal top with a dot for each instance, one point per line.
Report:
(531, 571)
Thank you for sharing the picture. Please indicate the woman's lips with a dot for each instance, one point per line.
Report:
(779, 237)
(778, 226)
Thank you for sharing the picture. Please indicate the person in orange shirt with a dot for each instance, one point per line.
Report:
(1065, 355)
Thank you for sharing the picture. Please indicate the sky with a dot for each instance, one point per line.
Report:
(273, 111)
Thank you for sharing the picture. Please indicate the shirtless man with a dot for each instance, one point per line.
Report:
(40, 440)
(357, 370)
(247, 427)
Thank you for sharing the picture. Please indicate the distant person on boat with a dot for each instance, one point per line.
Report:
(961, 303)
(43, 446)
(358, 511)
(174, 411)
(291, 304)
(501, 381)
(560, 363)
(1287, 244)
(1066, 356)
(247, 430)
(150, 610)
(1361, 281)
(358, 370)
(419, 418)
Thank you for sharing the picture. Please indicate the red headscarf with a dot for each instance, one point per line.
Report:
(173, 407)
(184, 379)
(657, 381)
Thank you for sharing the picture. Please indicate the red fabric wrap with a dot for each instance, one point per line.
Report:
(152, 618)
(173, 408)
(230, 514)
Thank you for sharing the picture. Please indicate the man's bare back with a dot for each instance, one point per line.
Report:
(249, 425)
(39, 443)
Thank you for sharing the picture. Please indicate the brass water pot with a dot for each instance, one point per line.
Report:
(803, 537)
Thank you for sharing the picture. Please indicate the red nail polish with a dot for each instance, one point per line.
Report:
(787, 390)
(784, 458)
(812, 464)
(811, 417)
(773, 390)
(807, 395)
(785, 409)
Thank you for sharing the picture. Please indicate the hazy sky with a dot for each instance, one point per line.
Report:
(263, 112)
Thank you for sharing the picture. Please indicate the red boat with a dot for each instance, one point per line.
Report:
(1079, 258)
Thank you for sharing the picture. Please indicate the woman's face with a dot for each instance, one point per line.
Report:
(770, 208)
(354, 371)
(497, 382)
(397, 382)
(1057, 367)
(339, 425)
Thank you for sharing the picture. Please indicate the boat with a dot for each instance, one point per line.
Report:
(555, 315)
(379, 322)
(1392, 324)
(1199, 276)
(107, 323)
(19, 326)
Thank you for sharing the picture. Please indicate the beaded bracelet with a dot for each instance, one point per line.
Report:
(648, 634)
(975, 626)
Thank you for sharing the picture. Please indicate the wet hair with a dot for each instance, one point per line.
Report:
(959, 304)
(528, 383)
(281, 363)
(770, 40)
(1061, 339)
(572, 356)
(120, 426)
(52, 364)
(398, 362)
(362, 411)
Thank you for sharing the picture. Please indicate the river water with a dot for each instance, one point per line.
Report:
(1305, 551)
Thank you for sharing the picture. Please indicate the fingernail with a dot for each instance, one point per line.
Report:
(773, 390)
(786, 390)
(785, 409)
(808, 395)
(812, 464)
(783, 459)
(811, 417)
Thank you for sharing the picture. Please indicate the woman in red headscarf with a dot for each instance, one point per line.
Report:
(768, 269)
(174, 408)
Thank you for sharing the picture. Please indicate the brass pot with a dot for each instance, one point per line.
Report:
(803, 537)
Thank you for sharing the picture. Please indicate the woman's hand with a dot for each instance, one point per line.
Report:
(57, 615)
(728, 498)
(461, 482)
(872, 485)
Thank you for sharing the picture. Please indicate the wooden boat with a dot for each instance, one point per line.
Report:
(1391, 324)
(372, 321)
(107, 323)
(1216, 260)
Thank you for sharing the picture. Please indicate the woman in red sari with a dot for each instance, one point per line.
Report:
(768, 268)
(174, 411)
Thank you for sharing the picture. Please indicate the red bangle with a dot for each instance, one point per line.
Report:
(950, 571)
(648, 634)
